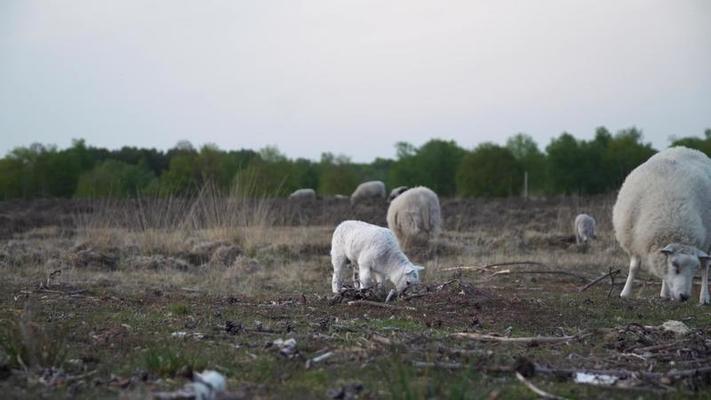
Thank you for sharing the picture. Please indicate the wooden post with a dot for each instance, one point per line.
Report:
(525, 185)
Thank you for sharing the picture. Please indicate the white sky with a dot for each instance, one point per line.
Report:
(348, 76)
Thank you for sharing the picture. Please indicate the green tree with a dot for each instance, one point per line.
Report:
(434, 165)
(114, 178)
(489, 171)
(531, 159)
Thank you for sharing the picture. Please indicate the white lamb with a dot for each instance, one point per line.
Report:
(368, 190)
(584, 228)
(662, 219)
(396, 192)
(376, 254)
(303, 194)
(415, 216)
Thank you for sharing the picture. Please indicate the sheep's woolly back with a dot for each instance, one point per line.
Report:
(357, 240)
(303, 194)
(664, 200)
(415, 216)
(584, 227)
(368, 190)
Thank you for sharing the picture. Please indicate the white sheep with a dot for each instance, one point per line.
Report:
(584, 228)
(415, 216)
(303, 194)
(376, 254)
(368, 190)
(662, 219)
(396, 192)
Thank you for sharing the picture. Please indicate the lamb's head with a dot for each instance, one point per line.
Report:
(682, 262)
(410, 276)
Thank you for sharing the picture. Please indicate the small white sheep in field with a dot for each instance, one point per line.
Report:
(397, 192)
(415, 216)
(584, 228)
(368, 190)
(662, 219)
(375, 252)
(303, 194)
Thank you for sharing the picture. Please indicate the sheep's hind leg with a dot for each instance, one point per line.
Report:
(634, 267)
(704, 293)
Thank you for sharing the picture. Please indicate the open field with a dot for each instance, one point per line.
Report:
(124, 299)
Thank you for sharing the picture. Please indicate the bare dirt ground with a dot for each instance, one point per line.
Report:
(127, 299)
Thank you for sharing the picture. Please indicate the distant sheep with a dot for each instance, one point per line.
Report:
(368, 190)
(340, 197)
(303, 194)
(415, 216)
(662, 219)
(584, 228)
(375, 252)
(397, 192)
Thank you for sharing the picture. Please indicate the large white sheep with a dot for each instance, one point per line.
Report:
(662, 219)
(303, 194)
(415, 216)
(375, 252)
(368, 190)
(584, 228)
(397, 192)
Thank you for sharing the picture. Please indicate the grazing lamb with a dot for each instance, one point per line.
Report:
(368, 190)
(374, 250)
(662, 220)
(396, 192)
(303, 194)
(415, 216)
(584, 228)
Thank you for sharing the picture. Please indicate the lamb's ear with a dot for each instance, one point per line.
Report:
(667, 250)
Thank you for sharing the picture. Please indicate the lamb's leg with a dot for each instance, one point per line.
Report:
(356, 283)
(364, 275)
(577, 239)
(634, 267)
(339, 263)
(665, 290)
(704, 294)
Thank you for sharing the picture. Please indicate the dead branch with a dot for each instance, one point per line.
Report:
(483, 267)
(599, 279)
(381, 305)
(525, 340)
(508, 271)
(536, 390)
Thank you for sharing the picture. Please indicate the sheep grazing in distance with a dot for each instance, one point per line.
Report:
(415, 216)
(584, 228)
(368, 190)
(662, 219)
(396, 192)
(375, 252)
(340, 197)
(303, 194)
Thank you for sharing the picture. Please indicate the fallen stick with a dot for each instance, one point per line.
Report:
(508, 271)
(598, 279)
(376, 304)
(503, 264)
(526, 340)
(536, 390)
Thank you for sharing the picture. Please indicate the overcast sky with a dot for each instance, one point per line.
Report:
(350, 77)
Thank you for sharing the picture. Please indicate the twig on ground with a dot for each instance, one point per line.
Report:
(612, 283)
(508, 271)
(536, 390)
(376, 304)
(598, 279)
(525, 340)
(503, 264)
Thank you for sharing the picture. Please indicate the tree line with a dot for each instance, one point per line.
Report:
(567, 165)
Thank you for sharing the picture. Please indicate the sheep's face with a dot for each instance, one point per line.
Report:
(682, 262)
(411, 276)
